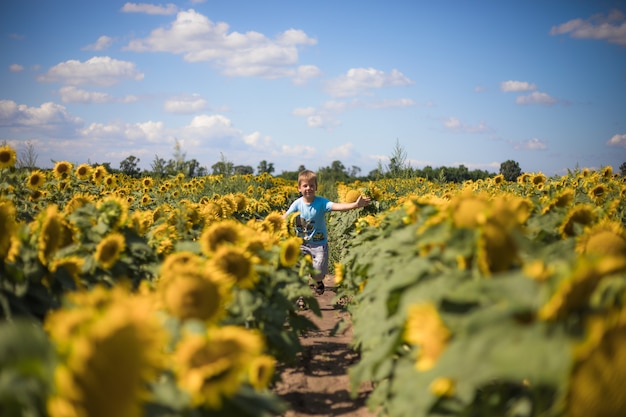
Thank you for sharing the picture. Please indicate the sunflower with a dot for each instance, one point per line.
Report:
(146, 199)
(274, 223)
(261, 371)
(582, 214)
(469, 210)
(290, 251)
(604, 238)
(339, 273)
(442, 387)
(71, 265)
(538, 179)
(573, 291)
(596, 386)
(562, 199)
(113, 211)
(141, 221)
(352, 196)
(497, 250)
(77, 201)
(607, 172)
(51, 233)
(98, 174)
(211, 366)
(499, 179)
(110, 181)
(213, 209)
(598, 193)
(425, 329)
(62, 169)
(147, 182)
(83, 172)
(220, 233)
(236, 264)
(8, 157)
(110, 345)
(8, 226)
(110, 249)
(241, 200)
(229, 205)
(187, 291)
(36, 179)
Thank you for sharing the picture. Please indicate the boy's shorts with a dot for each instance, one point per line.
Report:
(319, 255)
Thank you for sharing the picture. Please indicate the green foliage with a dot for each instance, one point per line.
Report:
(510, 170)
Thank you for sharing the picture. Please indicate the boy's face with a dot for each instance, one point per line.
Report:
(307, 188)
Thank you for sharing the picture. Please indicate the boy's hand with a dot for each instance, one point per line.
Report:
(363, 201)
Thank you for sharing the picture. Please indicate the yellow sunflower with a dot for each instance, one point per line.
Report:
(604, 238)
(425, 329)
(442, 387)
(236, 264)
(51, 234)
(497, 250)
(574, 290)
(598, 193)
(582, 215)
(98, 174)
(83, 172)
(598, 377)
(339, 273)
(77, 201)
(468, 210)
(110, 347)
(110, 249)
(226, 232)
(212, 366)
(188, 291)
(62, 169)
(261, 371)
(72, 265)
(290, 251)
(8, 157)
(274, 223)
(8, 226)
(36, 179)
(241, 200)
(113, 211)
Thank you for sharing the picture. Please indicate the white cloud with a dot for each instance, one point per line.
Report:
(99, 70)
(343, 151)
(185, 104)
(103, 42)
(455, 125)
(361, 80)
(304, 73)
(49, 116)
(303, 111)
(149, 8)
(617, 140)
(480, 89)
(536, 97)
(298, 150)
(249, 54)
(596, 27)
(532, 144)
(508, 86)
(258, 141)
(71, 94)
(16, 68)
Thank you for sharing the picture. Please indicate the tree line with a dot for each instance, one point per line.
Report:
(397, 167)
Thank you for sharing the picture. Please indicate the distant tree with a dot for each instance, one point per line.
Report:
(158, 166)
(397, 161)
(243, 170)
(27, 157)
(510, 170)
(335, 172)
(265, 167)
(223, 167)
(622, 169)
(129, 166)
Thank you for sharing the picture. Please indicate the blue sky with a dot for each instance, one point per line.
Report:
(307, 83)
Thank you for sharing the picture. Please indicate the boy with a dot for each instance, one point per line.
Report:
(311, 223)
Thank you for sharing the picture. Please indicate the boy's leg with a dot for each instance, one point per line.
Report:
(319, 256)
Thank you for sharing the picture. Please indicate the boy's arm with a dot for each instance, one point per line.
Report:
(360, 202)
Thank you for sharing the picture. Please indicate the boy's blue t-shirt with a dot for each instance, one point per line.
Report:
(311, 222)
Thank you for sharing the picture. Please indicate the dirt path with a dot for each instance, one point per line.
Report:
(318, 385)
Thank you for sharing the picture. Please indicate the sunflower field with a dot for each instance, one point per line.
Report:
(176, 296)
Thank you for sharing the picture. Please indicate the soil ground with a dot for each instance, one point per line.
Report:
(318, 385)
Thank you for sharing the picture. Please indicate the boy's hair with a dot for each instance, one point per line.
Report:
(307, 175)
